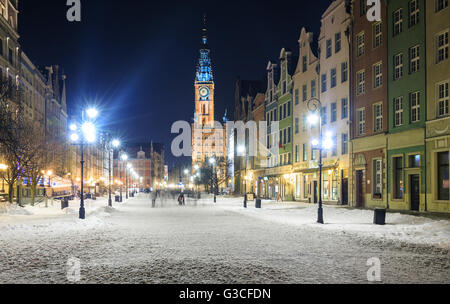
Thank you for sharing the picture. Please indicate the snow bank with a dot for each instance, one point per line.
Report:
(399, 227)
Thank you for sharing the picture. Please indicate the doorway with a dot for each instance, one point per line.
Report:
(415, 191)
(359, 188)
(344, 191)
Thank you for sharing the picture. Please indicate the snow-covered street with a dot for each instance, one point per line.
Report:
(223, 243)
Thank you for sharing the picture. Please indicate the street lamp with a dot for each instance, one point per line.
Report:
(84, 133)
(315, 106)
(112, 145)
(124, 158)
(129, 167)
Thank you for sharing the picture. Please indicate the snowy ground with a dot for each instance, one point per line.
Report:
(222, 243)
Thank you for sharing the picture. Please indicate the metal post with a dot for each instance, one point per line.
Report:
(126, 182)
(82, 210)
(109, 185)
(320, 210)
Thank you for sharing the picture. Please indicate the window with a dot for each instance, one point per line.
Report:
(398, 22)
(1, 47)
(414, 161)
(344, 143)
(284, 87)
(344, 108)
(414, 101)
(442, 47)
(10, 57)
(362, 7)
(288, 109)
(329, 48)
(334, 147)
(289, 135)
(413, 12)
(377, 178)
(378, 117)
(344, 72)
(313, 88)
(281, 113)
(377, 75)
(337, 42)
(324, 83)
(333, 112)
(398, 66)
(284, 111)
(377, 34)
(296, 96)
(361, 115)
(398, 111)
(297, 154)
(441, 4)
(313, 154)
(443, 99)
(360, 78)
(297, 127)
(443, 178)
(324, 115)
(333, 78)
(398, 177)
(305, 92)
(304, 122)
(304, 65)
(414, 59)
(360, 44)
(305, 152)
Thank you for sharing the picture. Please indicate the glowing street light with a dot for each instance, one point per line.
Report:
(92, 113)
(116, 143)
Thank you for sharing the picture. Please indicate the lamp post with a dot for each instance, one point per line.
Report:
(315, 107)
(88, 135)
(114, 144)
(129, 166)
(124, 158)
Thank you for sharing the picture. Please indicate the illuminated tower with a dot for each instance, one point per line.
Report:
(204, 83)
(206, 140)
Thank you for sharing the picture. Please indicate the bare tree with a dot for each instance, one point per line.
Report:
(20, 142)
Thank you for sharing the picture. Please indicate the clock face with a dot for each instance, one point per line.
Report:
(204, 92)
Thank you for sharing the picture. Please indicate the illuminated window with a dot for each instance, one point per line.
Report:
(398, 177)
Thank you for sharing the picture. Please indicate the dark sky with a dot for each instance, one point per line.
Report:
(136, 59)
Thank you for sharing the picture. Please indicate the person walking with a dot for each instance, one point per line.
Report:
(154, 195)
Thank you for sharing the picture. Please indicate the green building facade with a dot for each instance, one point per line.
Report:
(407, 104)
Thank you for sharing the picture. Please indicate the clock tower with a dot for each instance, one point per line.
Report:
(204, 84)
(206, 142)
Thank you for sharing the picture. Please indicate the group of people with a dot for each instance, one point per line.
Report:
(163, 195)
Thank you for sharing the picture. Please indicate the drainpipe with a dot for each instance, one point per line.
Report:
(387, 172)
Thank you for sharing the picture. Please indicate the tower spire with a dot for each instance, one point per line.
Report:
(204, 31)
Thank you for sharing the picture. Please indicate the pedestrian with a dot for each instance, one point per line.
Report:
(181, 200)
(154, 196)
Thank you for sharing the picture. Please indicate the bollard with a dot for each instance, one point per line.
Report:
(245, 201)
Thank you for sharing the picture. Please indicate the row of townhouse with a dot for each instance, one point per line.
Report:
(383, 89)
(44, 101)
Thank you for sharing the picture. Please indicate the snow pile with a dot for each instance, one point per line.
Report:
(399, 227)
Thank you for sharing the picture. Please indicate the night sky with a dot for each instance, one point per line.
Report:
(137, 61)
